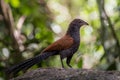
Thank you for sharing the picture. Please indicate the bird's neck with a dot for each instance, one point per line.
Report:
(73, 31)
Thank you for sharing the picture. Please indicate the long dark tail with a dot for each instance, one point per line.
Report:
(29, 62)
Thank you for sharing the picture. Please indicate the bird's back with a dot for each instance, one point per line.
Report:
(64, 43)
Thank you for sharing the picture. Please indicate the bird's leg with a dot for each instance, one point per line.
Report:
(68, 61)
(61, 61)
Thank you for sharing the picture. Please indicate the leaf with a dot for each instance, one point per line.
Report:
(15, 3)
(80, 63)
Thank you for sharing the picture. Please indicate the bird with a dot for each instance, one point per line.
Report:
(65, 47)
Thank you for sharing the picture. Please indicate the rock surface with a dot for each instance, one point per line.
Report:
(68, 74)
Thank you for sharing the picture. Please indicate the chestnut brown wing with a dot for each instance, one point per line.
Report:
(61, 44)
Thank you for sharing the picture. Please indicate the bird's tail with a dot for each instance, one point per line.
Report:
(29, 62)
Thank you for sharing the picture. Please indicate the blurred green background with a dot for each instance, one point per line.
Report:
(29, 26)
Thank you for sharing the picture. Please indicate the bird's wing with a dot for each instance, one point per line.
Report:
(61, 44)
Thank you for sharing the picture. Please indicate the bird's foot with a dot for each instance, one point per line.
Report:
(70, 66)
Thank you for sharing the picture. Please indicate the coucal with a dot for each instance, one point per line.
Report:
(65, 47)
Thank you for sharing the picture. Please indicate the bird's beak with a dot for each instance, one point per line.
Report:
(85, 23)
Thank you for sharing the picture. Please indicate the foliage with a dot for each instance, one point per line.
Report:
(38, 23)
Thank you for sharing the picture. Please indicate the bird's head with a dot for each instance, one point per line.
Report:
(78, 22)
(75, 25)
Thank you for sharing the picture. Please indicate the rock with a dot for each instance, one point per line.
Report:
(68, 74)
